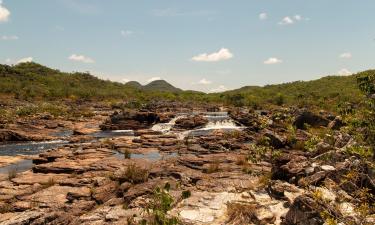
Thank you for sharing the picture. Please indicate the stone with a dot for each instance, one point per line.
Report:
(311, 119)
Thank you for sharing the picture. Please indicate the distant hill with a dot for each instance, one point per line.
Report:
(327, 92)
(133, 84)
(34, 81)
(161, 85)
(157, 85)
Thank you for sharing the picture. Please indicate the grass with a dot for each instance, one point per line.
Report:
(134, 174)
(127, 154)
(12, 173)
(241, 213)
(50, 182)
(213, 167)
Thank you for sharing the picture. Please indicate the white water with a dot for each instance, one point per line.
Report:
(217, 121)
(166, 127)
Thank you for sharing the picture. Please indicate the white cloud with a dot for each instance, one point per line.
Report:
(25, 60)
(204, 81)
(286, 21)
(272, 60)
(289, 20)
(221, 88)
(222, 54)
(9, 38)
(346, 55)
(153, 79)
(344, 72)
(126, 33)
(81, 58)
(263, 16)
(8, 61)
(4, 13)
(298, 17)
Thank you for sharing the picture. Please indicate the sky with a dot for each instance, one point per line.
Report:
(205, 45)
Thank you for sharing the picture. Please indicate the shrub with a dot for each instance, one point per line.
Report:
(134, 174)
(186, 194)
(158, 208)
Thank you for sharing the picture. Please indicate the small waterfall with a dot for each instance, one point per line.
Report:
(166, 127)
(220, 124)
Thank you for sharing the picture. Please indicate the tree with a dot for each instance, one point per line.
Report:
(366, 83)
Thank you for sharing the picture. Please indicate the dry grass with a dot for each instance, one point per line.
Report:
(134, 174)
(241, 213)
(213, 167)
(12, 173)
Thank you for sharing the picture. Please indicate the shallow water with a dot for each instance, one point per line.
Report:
(20, 166)
(112, 133)
(28, 148)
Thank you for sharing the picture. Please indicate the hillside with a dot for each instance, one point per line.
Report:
(327, 92)
(35, 81)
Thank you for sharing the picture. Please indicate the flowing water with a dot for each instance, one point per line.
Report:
(216, 121)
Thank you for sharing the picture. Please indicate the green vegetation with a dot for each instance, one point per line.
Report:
(158, 208)
(32, 82)
(326, 93)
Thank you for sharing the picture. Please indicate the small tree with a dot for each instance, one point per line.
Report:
(366, 83)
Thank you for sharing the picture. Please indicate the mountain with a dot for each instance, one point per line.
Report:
(157, 85)
(133, 84)
(161, 85)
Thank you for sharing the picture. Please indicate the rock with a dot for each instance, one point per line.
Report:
(288, 166)
(79, 193)
(328, 168)
(8, 135)
(130, 120)
(275, 140)
(23, 218)
(190, 122)
(105, 192)
(311, 119)
(51, 125)
(304, 211)
(336, 124)
(322, 147)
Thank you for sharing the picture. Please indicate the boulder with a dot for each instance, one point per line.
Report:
(8, 135)
(190, 122)
(130, 120)
(304, 211)
(336, 124)
(275, 140)
(311, 119)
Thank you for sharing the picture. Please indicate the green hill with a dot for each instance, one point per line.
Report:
(157, 85)
(161, 85)
(133, 84)
(327, 92)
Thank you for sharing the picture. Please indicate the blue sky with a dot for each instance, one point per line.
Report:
(207, 45)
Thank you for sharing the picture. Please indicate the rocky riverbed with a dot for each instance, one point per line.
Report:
(192, 167)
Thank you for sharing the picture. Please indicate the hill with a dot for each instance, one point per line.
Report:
(157, 85)
(327, 92)
(161, 85)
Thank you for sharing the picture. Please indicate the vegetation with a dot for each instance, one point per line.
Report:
(134, 174)
(158, 208)
(33, 82)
